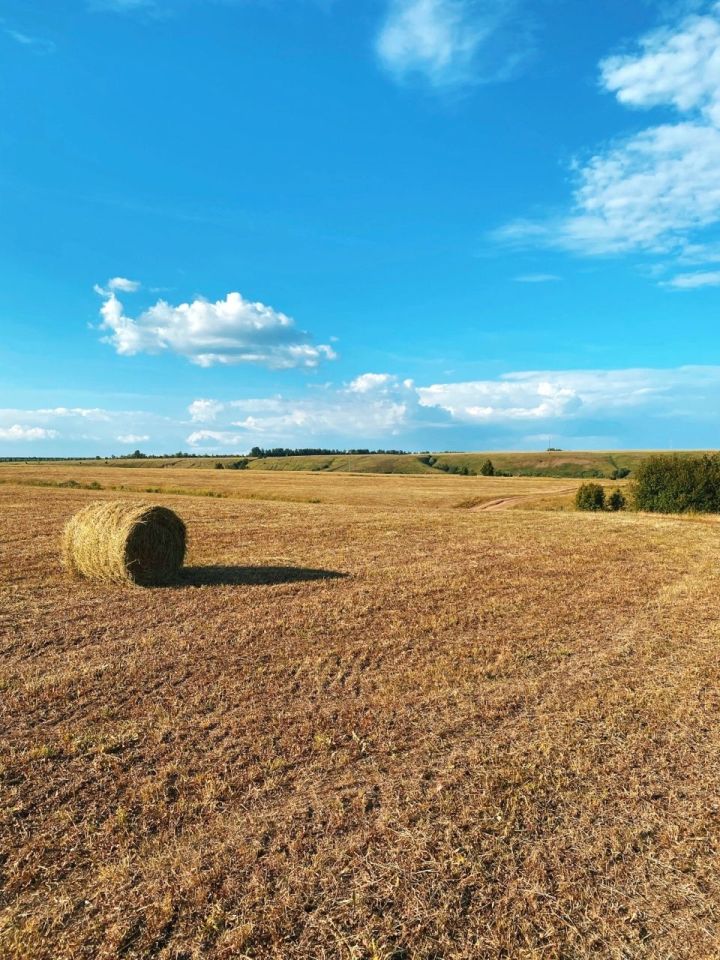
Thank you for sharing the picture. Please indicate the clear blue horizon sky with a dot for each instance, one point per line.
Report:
(428, 224)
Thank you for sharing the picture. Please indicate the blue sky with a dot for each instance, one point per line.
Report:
(428, 224)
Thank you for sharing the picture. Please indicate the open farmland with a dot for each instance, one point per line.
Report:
(390, 491)
(376, 720)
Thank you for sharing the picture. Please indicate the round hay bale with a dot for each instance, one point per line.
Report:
(122, 541)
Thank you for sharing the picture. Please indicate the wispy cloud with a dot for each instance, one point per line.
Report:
(452, 42)
(229, 331)
(75, 425)
(654, 191)
(537, 278)
(36, 44)
(691, 281)
(122, 6)
(115, 284)
(121, 283)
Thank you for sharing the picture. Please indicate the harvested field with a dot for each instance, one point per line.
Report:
(377, 726)
(383, 491)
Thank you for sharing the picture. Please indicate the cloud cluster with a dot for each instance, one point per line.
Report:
(558, 395)
(381, 409)
(82, 425)
(229, 331)
(372, 405)
(650, 192)
(512, 403)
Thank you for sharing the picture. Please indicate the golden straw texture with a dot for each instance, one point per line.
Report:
(123, 541)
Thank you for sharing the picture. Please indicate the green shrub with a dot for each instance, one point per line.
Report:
(590, 496)
(616, 500)
(487, 469)
(668, 483)
(620, 473)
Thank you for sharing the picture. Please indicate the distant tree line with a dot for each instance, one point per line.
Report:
(262, 453)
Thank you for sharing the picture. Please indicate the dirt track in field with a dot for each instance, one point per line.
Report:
(505, 503)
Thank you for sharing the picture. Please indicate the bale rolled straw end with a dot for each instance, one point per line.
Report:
(123, 541)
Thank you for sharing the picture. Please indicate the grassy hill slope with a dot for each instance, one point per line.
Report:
(568, 464)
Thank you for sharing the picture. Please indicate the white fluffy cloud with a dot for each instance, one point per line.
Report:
(449, 42)
(527, 397)
(368, 382)
(216, 439)
(651, 191)
(133, 437)
(229, 331)
(19, 432)
(679, 66)
(204, 411)
(123, 284)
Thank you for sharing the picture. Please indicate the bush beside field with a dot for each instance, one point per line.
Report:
(673, 484)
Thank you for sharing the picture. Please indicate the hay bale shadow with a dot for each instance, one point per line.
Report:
(232, 576)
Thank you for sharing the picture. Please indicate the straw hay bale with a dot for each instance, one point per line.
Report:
(123, 541)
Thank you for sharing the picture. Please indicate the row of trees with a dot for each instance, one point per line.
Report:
(256, 452)
(261, 452)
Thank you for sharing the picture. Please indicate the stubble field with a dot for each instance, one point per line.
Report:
(377, 719)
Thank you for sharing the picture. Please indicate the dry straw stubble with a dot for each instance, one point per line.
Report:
(123, 541)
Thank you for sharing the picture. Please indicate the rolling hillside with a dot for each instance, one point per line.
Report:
(571, 464)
